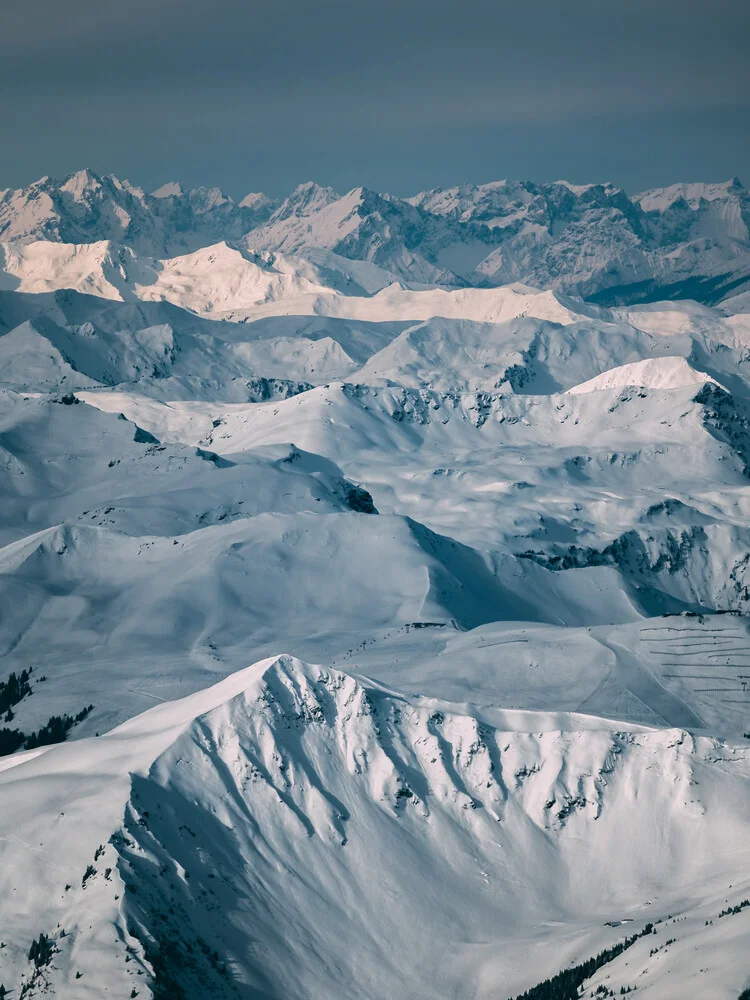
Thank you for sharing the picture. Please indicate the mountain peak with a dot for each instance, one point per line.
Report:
(306, 199)
(580, 189)
(255, 200)
(582, 239)
(77, 183)
(172, 189)
(204, 199)
(660, 199)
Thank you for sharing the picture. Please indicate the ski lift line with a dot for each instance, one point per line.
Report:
(502, 642)
(713, 666)
(682, 640)
(684, 652)
(686, 657)
(687, 631)
(145, 694)
(685, 640)
(688, 661)
(694, 640)
(713, 690)
(698, 677)
(701, 644)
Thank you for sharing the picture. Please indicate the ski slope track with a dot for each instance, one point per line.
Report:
(375, 581)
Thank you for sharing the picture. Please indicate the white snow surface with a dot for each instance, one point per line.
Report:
(653, 373)
(413, 616)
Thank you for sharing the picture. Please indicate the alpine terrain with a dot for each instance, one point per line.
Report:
(375, 582)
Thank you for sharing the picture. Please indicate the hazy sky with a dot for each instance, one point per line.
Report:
(398, 95)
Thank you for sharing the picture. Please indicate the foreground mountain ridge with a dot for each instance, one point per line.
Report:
(215, 826)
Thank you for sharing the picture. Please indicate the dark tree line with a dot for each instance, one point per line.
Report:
(566, 984)
(13, 690)
(735, 909)
(55, 730)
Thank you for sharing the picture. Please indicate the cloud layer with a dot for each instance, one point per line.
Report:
(397, 94)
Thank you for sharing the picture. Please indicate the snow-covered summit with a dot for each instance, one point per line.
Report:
(256, 200)
(653, 373)
(660, 199)
(306, 199)
(172, 189)
(86, 207)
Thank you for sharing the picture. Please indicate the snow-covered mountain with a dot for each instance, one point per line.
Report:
(687, 240)
(296, 830)
(372, 627)
(86, 208)
(596, 241)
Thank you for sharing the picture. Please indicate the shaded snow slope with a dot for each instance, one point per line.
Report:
(223, 315)
(271, 297)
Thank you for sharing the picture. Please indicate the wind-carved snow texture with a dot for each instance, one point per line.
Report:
(375, 623)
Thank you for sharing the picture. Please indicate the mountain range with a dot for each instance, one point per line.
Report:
(593, 240)
(374, 593)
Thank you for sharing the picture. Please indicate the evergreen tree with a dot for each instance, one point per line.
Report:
(14, 689)
(10, 741)
(41, 951)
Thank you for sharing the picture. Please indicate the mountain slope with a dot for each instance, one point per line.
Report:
(486, 549)
(488, 840)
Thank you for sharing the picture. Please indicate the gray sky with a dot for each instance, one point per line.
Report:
(398, 95)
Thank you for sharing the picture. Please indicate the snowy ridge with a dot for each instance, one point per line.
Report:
(657, 373)
(85, 207)
(100, 269)
(290, 772)
(226, 282)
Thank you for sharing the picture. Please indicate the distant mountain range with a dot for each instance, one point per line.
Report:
(594, 240)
